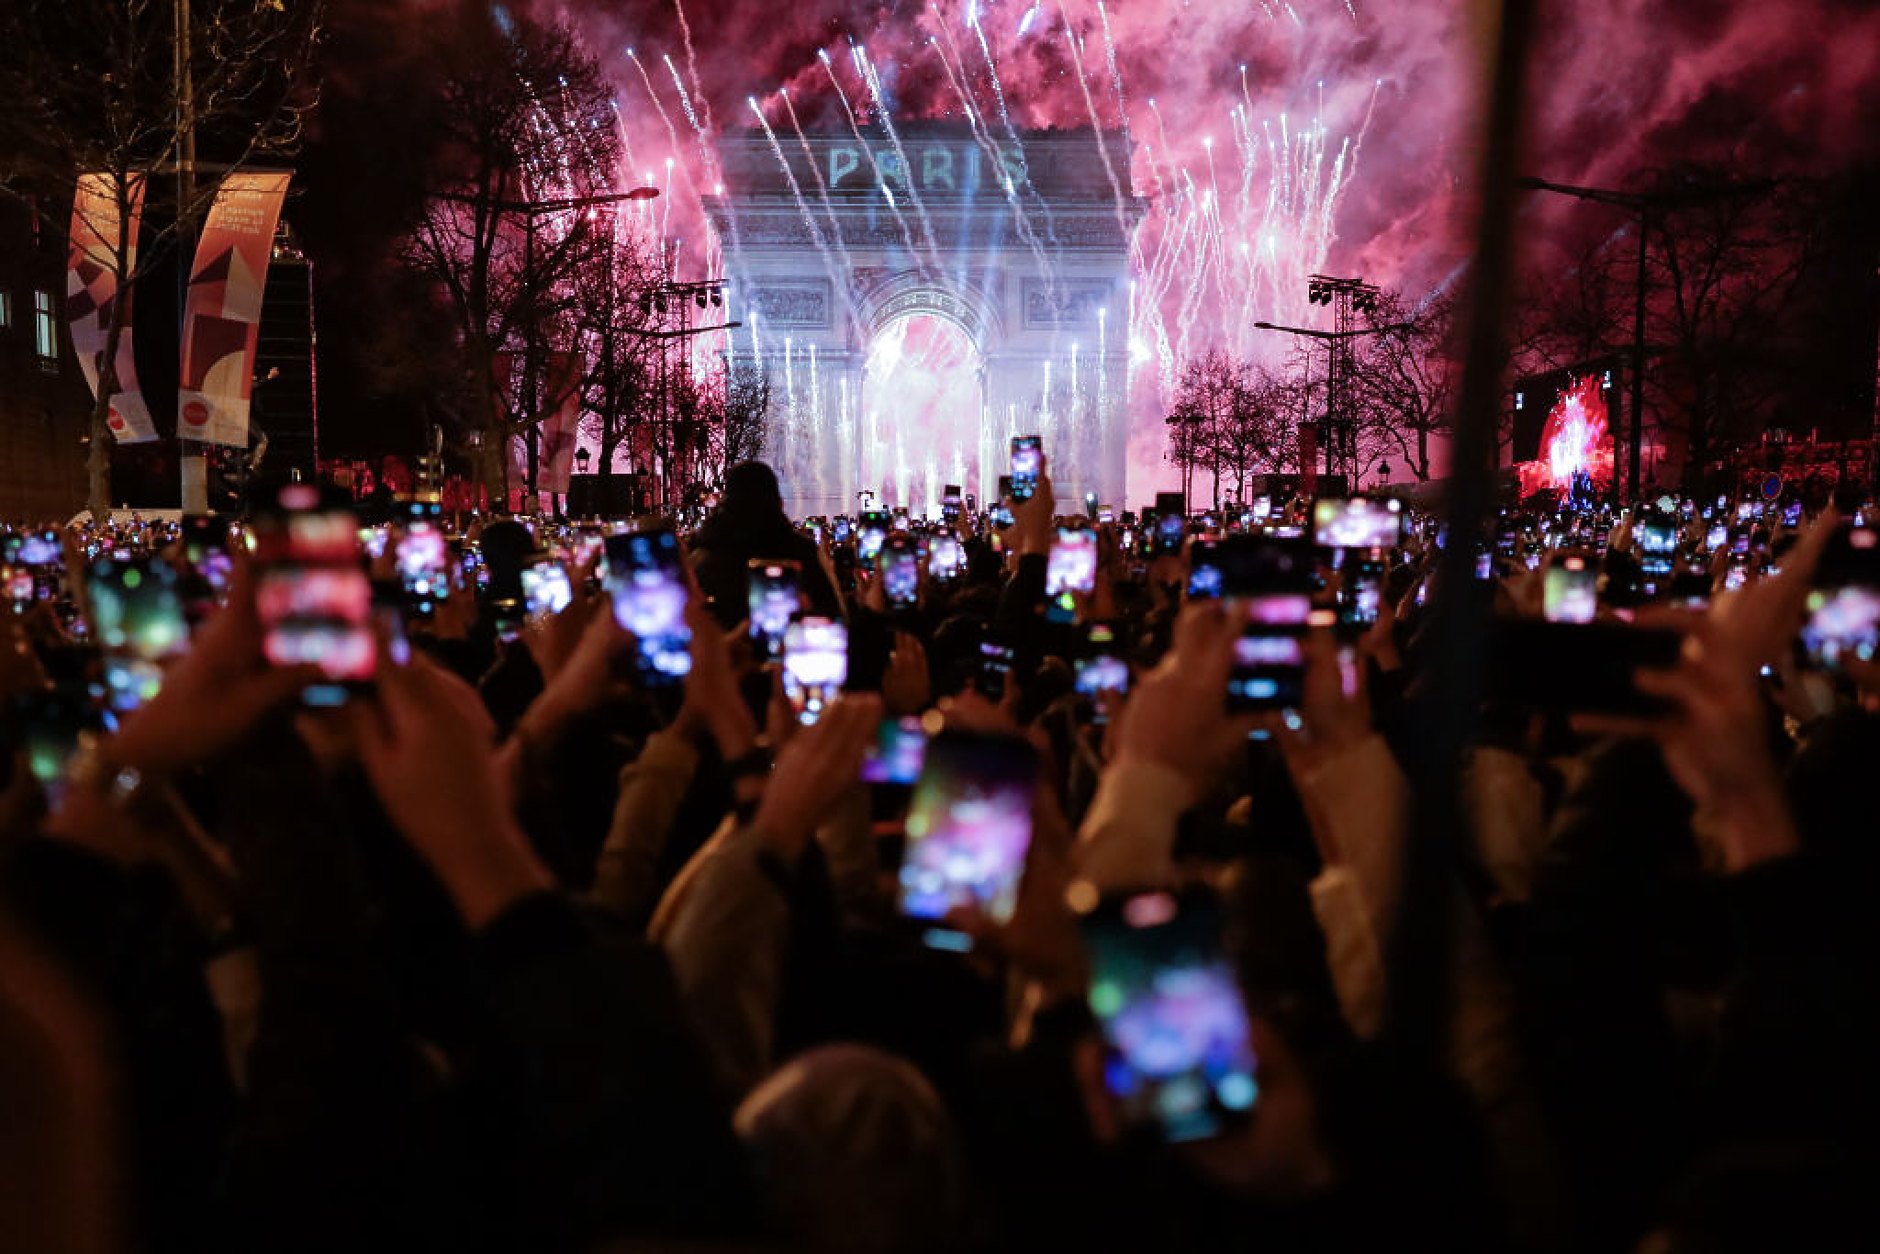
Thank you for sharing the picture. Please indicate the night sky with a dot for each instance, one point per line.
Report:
(1362, 113)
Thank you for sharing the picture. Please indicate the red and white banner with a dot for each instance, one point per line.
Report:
(555, 451)
(222, 315)
(93, 288)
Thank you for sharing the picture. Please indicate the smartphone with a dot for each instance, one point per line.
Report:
(1657, 538)
(646, 581)
(900, 571)
(1540, 665)
(1268, 582)
(994, 669)
(1361, 592)
(137, 618)
(1204, 569)
(545, 589)
(311, 592)
(1070, 571)
(946, 558)
(968, 829)
(211, 565)
(871, 531)
(1027, 461)
(896, 756)
(1357, 523)
(951, 500)
(1179, 1056)
(773, 597)
(46, 724)
(1844, 604)
(1102, 673)
(840, 529)
(1570, 590)
(20, 586)
(815, 664)
(1171, 528)
(1690, 589)
(423, 562)
(1072, 567)
(38, 548)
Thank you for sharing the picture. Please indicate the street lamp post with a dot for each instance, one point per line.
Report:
(683, 296)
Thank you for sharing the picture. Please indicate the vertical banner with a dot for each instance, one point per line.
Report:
(222, 314)
(93, 288)
(555, 452)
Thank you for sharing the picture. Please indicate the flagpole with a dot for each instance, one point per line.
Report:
(193, 466)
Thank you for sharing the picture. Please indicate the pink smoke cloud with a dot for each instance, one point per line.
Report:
(1618, 86)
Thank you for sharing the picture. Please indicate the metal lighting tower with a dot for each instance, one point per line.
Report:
(1348, 298)
(674, 303)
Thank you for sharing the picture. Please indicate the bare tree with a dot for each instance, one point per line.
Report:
(529, 142)
(745, 417)
(1231, 418)
(1205, 394)
(129, 90)
(620, 389)
(1721, 320)
(1403, 386)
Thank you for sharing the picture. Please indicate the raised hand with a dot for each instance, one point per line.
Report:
(906, 688)
(219, 690)
(1176, 716)
(1715, 744)
(712, 700)
(1756, 623)
(812, 772)
(1034, 521)
(553, 641)
(429, 751)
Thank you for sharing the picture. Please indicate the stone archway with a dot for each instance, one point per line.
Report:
(1024, 247)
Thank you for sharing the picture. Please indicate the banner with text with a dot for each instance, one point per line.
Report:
(93, 290)
(222, 314)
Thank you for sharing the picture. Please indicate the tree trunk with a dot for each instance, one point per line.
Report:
(492, 459)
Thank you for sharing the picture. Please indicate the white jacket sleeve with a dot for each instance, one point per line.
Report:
(724, 925)
(651, 790)
(1128, 834)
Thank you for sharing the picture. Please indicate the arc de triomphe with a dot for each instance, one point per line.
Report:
(829, 240)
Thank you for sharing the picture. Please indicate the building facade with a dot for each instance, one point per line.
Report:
(1020, 240)
(44, 404)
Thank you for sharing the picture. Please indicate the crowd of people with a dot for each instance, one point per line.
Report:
(999, 881)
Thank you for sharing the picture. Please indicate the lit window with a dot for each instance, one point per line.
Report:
(6, 310)
(45, 330)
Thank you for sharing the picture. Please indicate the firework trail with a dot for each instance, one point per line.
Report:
(796, 190)
(1096, 123)
(815, 169)
(1011, 133)
(691, 65)
(908, 174)
(907, 235)
(1021, 221)
(708, 160)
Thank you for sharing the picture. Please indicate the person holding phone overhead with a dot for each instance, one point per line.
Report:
(748, 525)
